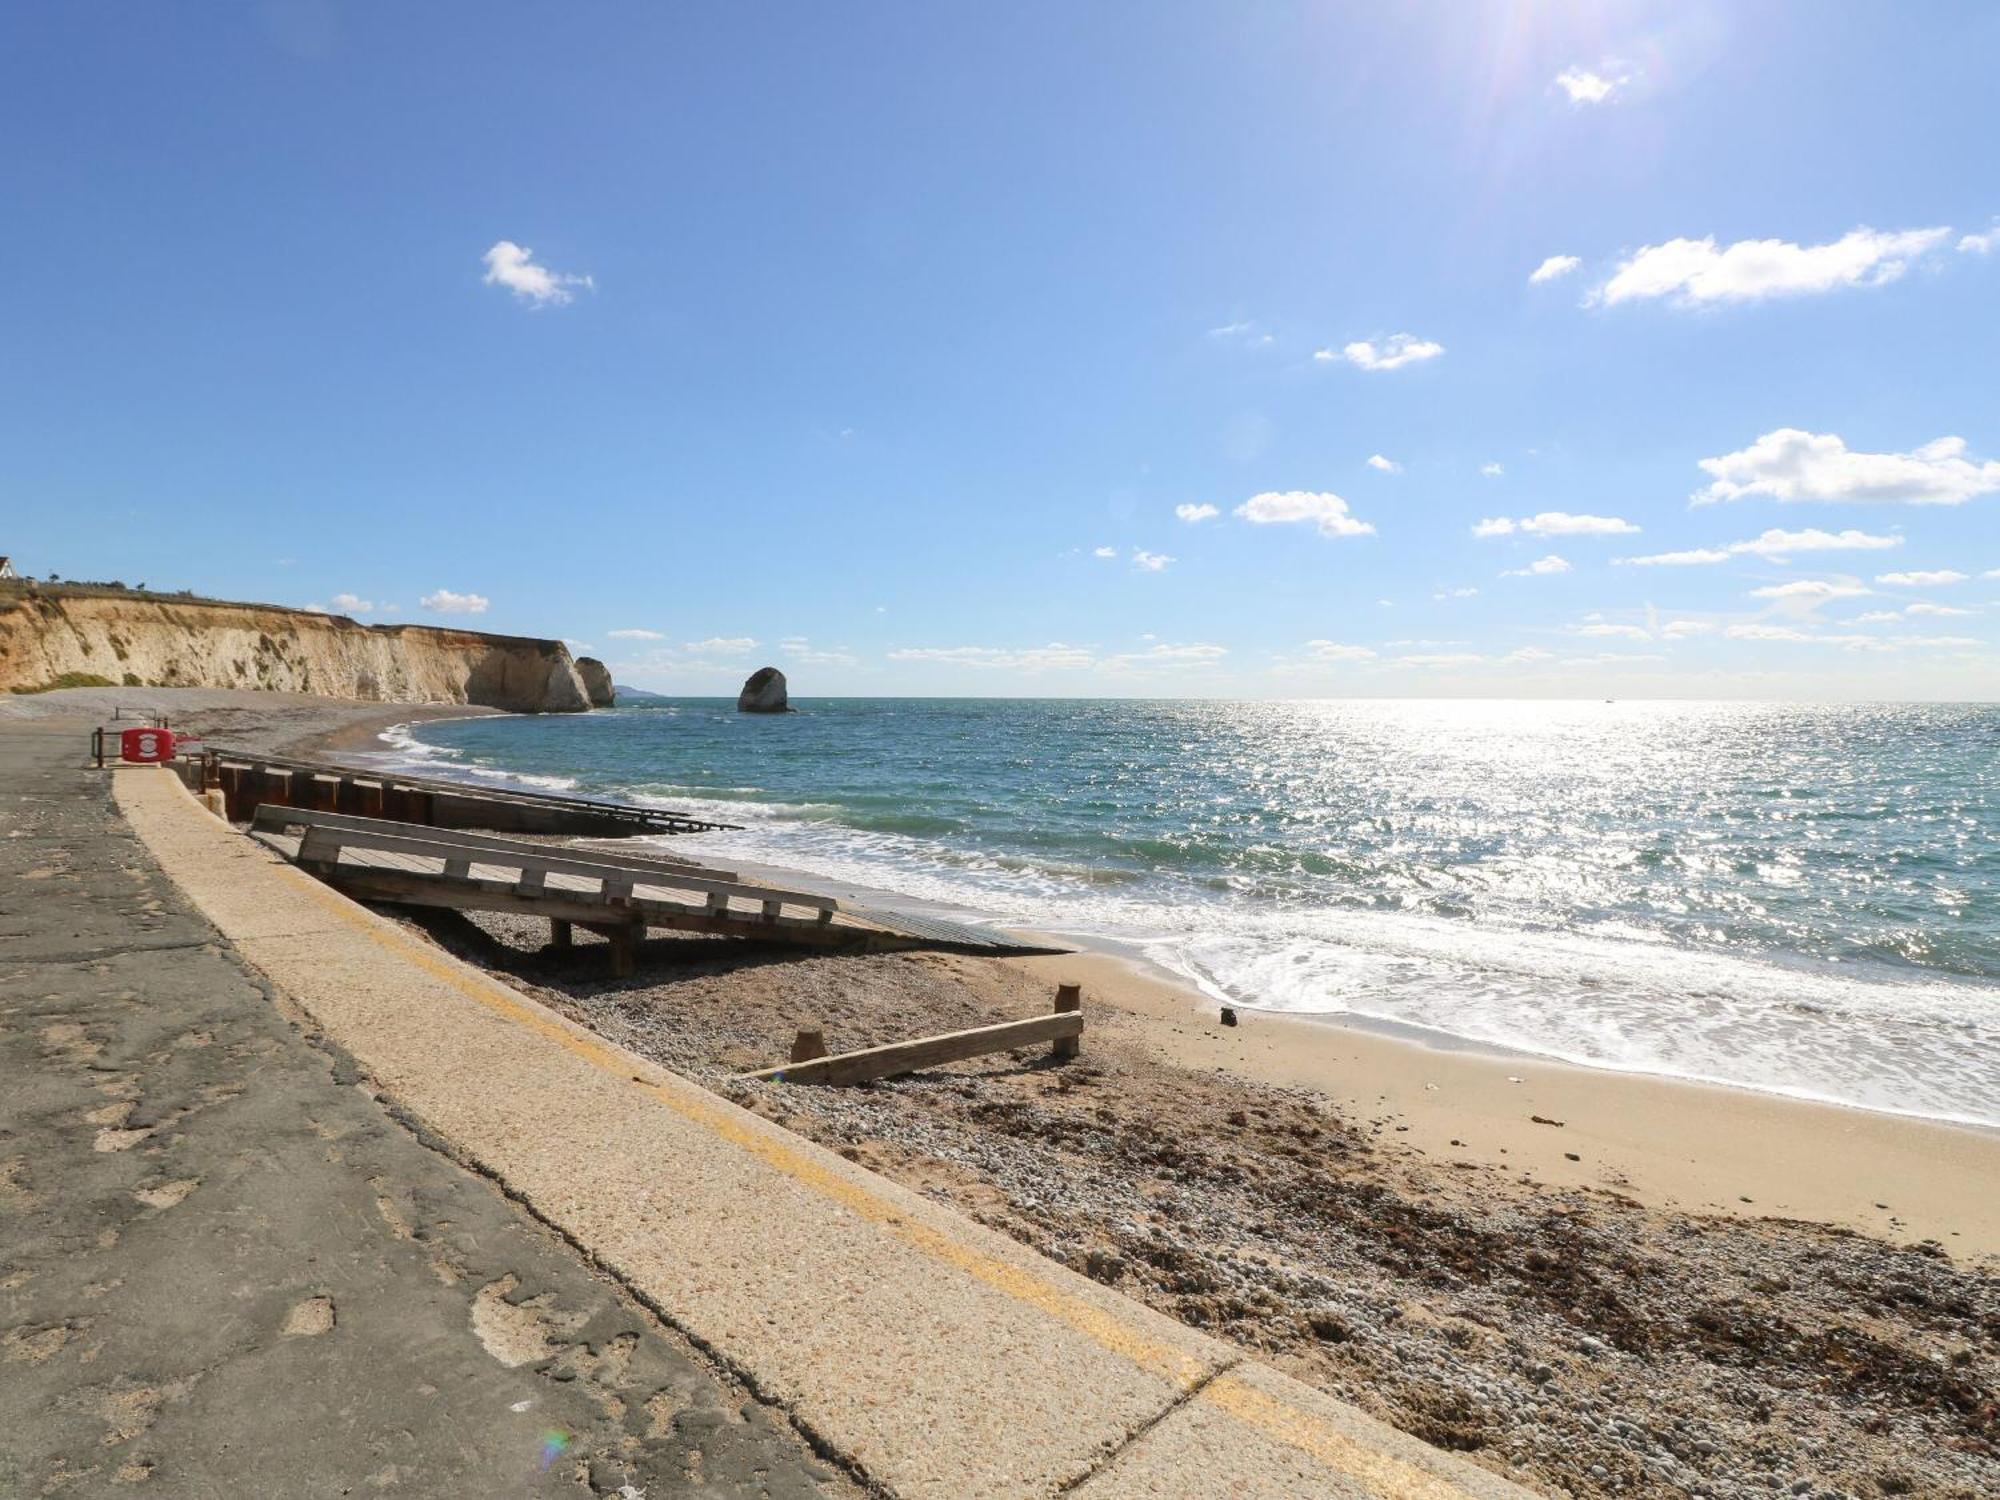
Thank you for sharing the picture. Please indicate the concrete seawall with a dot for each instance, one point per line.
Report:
(933, 1356)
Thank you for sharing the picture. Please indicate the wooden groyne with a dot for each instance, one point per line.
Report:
(249, 781)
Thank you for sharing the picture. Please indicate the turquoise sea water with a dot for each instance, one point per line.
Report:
(1802, 898)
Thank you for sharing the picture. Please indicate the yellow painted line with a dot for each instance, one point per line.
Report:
(1227, 1393)
(1382, 1472)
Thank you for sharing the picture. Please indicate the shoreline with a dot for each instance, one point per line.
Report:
(1666, 1142)
(1669, 1142)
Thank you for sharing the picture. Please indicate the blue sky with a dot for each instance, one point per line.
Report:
(892, 343)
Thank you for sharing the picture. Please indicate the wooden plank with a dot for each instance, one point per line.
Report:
(926, 1052)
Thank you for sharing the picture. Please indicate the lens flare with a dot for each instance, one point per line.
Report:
(554, 1444)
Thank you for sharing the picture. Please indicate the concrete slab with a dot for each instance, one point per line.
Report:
(937, 1357)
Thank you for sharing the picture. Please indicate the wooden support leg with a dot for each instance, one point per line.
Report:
(561, 935)
(1068, 997)
(810, 1043)
(622, 942)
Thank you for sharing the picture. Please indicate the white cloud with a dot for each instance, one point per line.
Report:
(1791, 465)
(1324, 509)
(353, 604)
(635, 635)
(1586, 87)
(1540, 568)
(1780, 544)
(1789, 634)
(1336, 651)
(1554, 266)
(1492, 471)
(445, 602)
(1528, 654)
(722, 645)
(1766, 633)
(1105, 552)
(1981, 244)
(1384, 465)
(1244, 332)
(1446, 659)
(1675, 630)
(1057, 657)
(1464, 593)
(1935, 579)
(1150, 562)
(512, 266)
(1555, 523)
(1392, 353)
(1818, 591)
(1166, 654)
(1878, 617)
(1618, 632)
(1694, 272)
(1054, 657)
(1690, 558)
(799, 650)
(1194, 513)
(1773, 544)
(1937, 609)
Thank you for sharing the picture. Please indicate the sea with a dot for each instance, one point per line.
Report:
(1801, 899)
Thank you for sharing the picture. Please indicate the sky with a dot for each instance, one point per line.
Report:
(1232, 349)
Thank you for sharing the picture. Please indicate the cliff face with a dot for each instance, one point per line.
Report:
(158, 641)
(596, 681)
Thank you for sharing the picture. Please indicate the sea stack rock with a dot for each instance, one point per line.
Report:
(596, 681)
(764, 693)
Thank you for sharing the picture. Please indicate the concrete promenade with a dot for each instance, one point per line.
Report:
(930, 1356)
(226, 1270)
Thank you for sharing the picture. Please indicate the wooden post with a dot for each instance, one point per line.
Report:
(561, 935)
(1069, 997)
(232, 792)
(808, 1044)
(621, 950)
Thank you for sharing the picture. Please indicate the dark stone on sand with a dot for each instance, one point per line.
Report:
(1228, 1016)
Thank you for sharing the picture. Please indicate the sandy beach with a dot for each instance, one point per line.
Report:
(1597, 1283)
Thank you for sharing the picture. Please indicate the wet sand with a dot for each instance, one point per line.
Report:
(1664, 1142)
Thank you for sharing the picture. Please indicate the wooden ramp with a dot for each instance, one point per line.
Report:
(618, 895)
